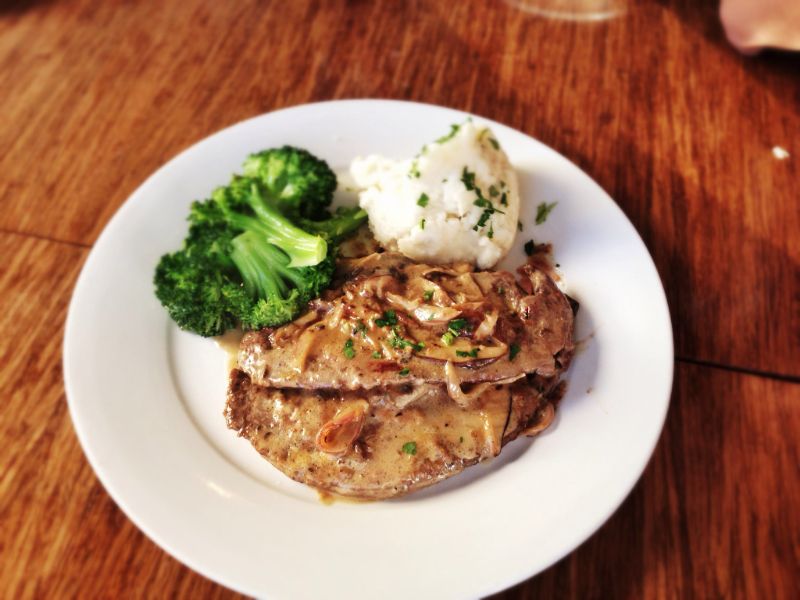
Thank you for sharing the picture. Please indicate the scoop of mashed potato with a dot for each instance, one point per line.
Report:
(457, 200)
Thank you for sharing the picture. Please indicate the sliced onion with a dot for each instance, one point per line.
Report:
(486, 328)
(337, 435)
(469, 289)
(467, 400)
(376, 286)
(402, 301)
(427, 314)
(465, 346)
(547, 414)
(303, 348)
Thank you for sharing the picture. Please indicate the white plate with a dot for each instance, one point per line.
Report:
(147, 399)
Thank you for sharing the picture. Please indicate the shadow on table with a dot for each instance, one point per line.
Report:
(20, 6)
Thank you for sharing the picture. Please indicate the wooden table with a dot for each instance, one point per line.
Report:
(655, 106)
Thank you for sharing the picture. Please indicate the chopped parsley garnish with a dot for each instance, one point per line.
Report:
(471, 354)
(468, 179)
(360, 327)
(422, 224)
(504, 199)
(529, 246)
(490, 233)
(413, 172)
(493, 191)
(495, 144)
(349, 351)
(398, 341)
(423, 200)
(427, 295)
(377, 354)
(543, 210)
(389, 318)
(513, 351)
(454, 328)
(449, 136)
(459, 325)
(410, 448)
(404, 373)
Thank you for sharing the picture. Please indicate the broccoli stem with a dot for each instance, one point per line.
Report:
(303, 249)
(338, 226)
(264, 267)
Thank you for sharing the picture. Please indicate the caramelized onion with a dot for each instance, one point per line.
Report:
(427, 314)
(469, 290)
(376, 286)
(337, 435)
(546, 416)
(467, 400)
(486, 328)
(402, 302)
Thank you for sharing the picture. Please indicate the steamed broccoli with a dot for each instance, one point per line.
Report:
(244, 261)
(299, 183)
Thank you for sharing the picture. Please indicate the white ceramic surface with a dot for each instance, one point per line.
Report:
(147, 399)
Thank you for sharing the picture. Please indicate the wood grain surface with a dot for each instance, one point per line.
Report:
(677, 127)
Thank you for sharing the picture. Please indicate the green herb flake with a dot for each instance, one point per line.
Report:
(504, 199)
(471, 354)
(468, 179)
(422, 224)
(490, 233)
(410, 448)
(448, 338)
(493, 191)
(459, 325)
(413, 172)
(427, 295)
(377, 354)
(360, 328)
(389, 318)
(449, 136)
(423, 200)
(404, 373)
(349, 351)
(529, 247)
(495, 144)
(484, 218)
(543, 210)
(513, 351)
(398, 341)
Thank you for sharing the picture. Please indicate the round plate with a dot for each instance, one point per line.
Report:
(147, 399)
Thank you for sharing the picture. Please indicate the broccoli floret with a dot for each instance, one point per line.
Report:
(303, 248)
(257, 250)
(299, 183)
(198, 285)
(278, 291)
(338, 227)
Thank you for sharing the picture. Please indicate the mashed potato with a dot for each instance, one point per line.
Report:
(457, 200)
